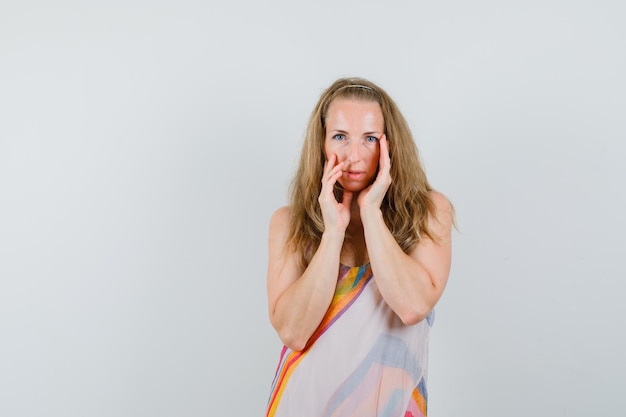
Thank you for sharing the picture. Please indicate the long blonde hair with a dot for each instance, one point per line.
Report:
(407, 204)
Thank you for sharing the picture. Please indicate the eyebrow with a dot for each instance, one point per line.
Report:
(372, 133)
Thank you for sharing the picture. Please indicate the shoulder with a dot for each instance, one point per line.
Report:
(279, 238)
(440, 202)
(279, 222)
(443, 217)
(280, 216)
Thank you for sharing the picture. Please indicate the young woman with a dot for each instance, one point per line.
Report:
(357, 262)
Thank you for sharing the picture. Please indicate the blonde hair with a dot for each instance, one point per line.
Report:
(407, 204)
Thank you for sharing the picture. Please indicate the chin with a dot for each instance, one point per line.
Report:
(352, 187)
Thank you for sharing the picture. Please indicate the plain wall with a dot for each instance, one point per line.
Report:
(145, 144)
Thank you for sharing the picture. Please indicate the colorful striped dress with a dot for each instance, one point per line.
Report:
(362, 361)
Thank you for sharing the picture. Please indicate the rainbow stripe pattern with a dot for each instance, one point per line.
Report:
(361, 361)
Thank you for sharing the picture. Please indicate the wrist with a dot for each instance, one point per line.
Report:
(370, 211)
(333, 235)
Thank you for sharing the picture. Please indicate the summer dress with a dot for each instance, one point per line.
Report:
(362, 361)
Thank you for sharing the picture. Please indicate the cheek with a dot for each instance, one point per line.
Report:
(328, 148)
(334, 148)
(374, 158)
(327, 153)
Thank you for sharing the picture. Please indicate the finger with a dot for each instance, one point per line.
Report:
(334, 175)
(326, 171)
(384, 147)
(329, 181)
(337, 169)
(330, 163)
(385, 159)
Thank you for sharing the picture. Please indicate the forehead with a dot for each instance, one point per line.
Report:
(351, 111)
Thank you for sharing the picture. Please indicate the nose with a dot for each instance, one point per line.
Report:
(354, 151)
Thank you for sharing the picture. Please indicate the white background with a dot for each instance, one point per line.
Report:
(145, 144)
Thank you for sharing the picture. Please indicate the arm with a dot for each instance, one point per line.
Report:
(298, 299)
(411, 284)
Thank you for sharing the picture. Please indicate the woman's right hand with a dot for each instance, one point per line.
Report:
(336, 215)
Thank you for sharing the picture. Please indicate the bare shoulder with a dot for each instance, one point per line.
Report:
(441, 202)
(279, 229)
(280, 219)
(434, 251)
(443, 220)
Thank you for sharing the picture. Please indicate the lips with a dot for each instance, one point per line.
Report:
(354, 175)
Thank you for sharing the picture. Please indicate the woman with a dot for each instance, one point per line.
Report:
(357, 262)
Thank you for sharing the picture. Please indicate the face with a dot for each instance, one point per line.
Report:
(353, 128)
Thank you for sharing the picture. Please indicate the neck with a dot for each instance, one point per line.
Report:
(354, 251)
(355, 212)
(355, 215)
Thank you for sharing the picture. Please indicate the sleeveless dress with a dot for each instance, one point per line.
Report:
(362, 361)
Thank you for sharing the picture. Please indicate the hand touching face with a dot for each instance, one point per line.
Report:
(353, 130)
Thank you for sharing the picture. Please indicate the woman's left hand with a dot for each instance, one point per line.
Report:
(373, 195)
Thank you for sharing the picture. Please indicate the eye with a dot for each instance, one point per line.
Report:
(372, 139)
(339, 136)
